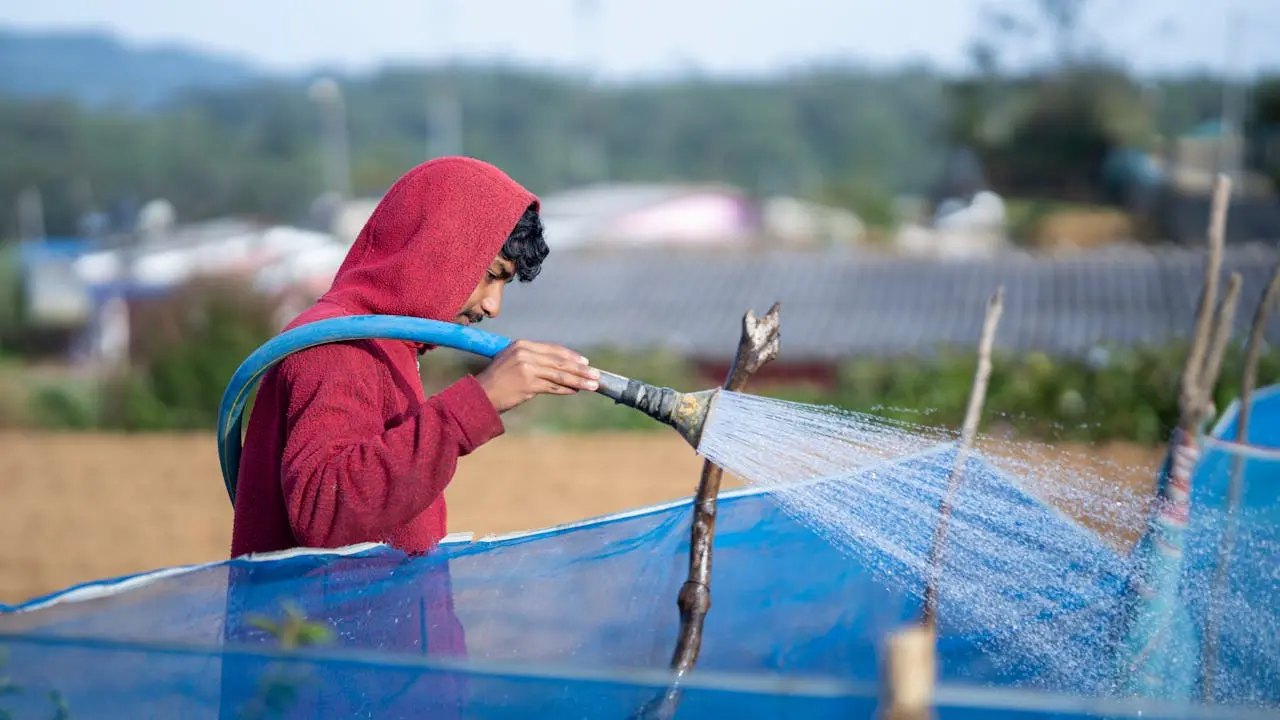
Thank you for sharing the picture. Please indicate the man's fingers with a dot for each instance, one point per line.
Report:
(566, 377)
(563, 372)
(568, 366)
(555, 351)
(581, 370)
(554, 369)
(552, 388)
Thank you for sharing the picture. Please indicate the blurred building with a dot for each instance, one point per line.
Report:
(343, 218)
(794, 222)
(690, 216)
(962, 217)
(960, 227)
(53, 295)
(83, 286)
(1170, 195)
(1200, 154)
(221, 247)
(648, 215)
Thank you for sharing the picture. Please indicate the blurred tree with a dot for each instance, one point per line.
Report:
(811, 133)
(1047, 132)
(1262, 127)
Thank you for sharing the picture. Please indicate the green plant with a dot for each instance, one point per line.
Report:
(66, 407)
(1119, 393)
(295, 630)
(10, 294)
(194, 343)
(279, 685)
(10, 689)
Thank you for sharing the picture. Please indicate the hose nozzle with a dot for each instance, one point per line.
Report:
(686, 412)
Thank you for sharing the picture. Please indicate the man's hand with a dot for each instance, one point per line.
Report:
(525, 369)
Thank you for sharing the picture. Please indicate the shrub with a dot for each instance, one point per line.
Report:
(1123, 393)
(10, 296)
(188, 345)
(59, 406)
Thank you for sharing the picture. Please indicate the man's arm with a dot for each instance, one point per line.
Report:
(346, 478)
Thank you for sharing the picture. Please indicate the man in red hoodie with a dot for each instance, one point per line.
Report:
(342, 445)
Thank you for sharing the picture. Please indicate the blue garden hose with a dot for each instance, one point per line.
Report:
(339, 329)
(684, 412)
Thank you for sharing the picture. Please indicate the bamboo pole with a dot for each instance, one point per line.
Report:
(1223, 326)
(968, 434)
(1190, 391)
(1248, 381)
(908, 674)
(758, 345)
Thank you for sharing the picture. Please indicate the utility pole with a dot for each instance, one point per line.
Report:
(444, 105)
(30, 214)
(1233, 100)
(327, 94)
(588, 152)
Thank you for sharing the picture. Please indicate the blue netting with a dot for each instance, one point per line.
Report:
(579, 621)
(1250, 629)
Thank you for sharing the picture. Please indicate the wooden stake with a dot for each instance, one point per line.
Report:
(1191, 394)
(1248, 380)
(758, 345)
(1222, 330)
(908, 674)
(968, 434)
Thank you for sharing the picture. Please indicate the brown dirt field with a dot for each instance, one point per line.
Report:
(81, 506)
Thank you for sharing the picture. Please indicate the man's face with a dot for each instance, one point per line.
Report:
(486, 299)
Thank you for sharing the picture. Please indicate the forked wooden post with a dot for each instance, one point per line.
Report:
(908, 672)
(757, 346)
(1248, 380)
(968, 433)
(1223, 325)
(1196, 391)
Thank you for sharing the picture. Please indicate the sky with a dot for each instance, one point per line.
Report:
(631, 39)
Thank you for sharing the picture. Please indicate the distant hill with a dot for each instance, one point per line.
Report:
(97, 68)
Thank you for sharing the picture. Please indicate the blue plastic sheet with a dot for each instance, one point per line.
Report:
(575, 621)
(1249, 638)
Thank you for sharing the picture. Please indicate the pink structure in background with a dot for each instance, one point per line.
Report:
(697, 219)
(636, 214)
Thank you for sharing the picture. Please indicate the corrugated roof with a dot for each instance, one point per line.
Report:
(835, 306)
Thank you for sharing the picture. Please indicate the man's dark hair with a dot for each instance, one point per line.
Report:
(525, 246)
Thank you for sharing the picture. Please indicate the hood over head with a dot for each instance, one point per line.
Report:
(430, 240)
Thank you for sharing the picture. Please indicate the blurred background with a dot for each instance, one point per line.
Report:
(177, 181)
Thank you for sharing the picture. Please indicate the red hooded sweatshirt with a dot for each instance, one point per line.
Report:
(342, 446)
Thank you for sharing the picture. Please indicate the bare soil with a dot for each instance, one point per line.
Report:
(80, 506)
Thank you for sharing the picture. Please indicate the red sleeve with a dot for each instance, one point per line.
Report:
(348, 478)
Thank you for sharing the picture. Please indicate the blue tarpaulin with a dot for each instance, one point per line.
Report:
(1250, 628)
(581, 620)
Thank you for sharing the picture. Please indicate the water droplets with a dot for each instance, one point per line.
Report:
(1015, 570)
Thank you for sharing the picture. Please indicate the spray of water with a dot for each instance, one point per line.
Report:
(1033, 586)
